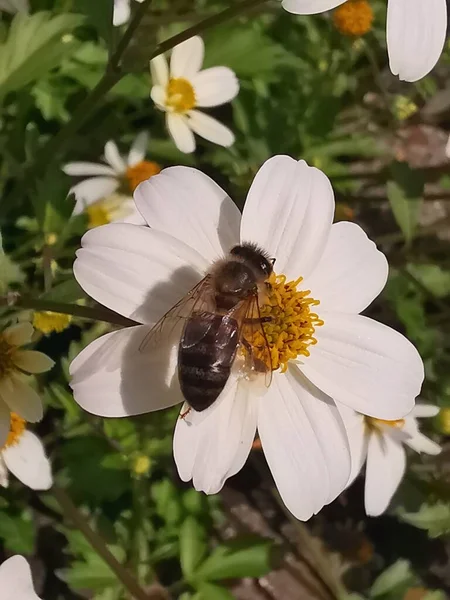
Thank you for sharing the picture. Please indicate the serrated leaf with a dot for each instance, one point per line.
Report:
(17, 532)
(393, 578)
(435, 518)
(405, 195)
(192, 546)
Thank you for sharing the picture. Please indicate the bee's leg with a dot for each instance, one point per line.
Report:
(257, 320)
(185, 414)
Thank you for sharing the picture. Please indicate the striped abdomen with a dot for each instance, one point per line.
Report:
(206, 353)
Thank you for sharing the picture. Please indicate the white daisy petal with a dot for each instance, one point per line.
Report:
(113, 157)
(310, 7)
(159, 70)
(21, 399)
(180, 132)
(215, 86)
(29, 463)
(210, 129)
(4, 474)
(18, 334)
(136, 271)
(386, 463)
(365, 365)
(351, 272)
(138, 149)
(87, 168)
(122, 11)
(31, 361)
(416, 33)
(5, 420)
(206, 218)
(357, 437)
(118, 375)
(159, 96)
(212, 450)
(425, 410)
(187, 58)
(15, 580)
(421, 443)
(289, 211)
(94, 188)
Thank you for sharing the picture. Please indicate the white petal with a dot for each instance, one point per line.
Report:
(117, 375)
(180, 132)
(15, 580)
(210, 129)
(93, 189)
(425, 410)
(18, 334)
(351, 272)
(386, 463)
(310, 7)
(122, 11)
(289, 211)
(421, 443)
(21, 399)
(365, 365)
(416, 33)
(159, 96)
(189, 205)
(215, 86)
(87, 168)
(136, 271)
(31, 361)
(138, 149)
(187, 58)
(357, 437)
(210, 451)
(29, 463)
(159, 70)
(4, 474)
(5, 421)
(113, 157)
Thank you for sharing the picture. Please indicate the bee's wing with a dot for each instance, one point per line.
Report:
(198, 299)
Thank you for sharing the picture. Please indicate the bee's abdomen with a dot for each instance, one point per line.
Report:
(205, 357)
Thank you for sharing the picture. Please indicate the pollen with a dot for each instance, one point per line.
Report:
(377, 424)
(7, 365)
(291, 322)
(16, 429)
(180, 95)
(141, 172)
(48, 322)
(354, 18)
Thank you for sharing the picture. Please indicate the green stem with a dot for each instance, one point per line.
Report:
(123, 44)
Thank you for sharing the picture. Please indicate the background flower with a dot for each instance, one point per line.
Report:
(15, 580)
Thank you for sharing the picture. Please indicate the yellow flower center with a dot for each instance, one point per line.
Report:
(7, 365)
(180, 95)
(97, 214)
(107, 210)
(141, 465)
(404, 108)
(444, 418)
(16, 429)
(48, 321)
(354, 18)
(290, 330)
(141, 172)
(378, 424)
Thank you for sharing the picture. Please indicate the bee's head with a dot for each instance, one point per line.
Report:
(256, 258)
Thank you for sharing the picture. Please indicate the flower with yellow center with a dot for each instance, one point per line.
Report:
(183, 88)
(24, 456)
(15, 394)
(380, 443)
(16, 581)
(48, 322)
(354, 18)
(106, 194)
(322, 350)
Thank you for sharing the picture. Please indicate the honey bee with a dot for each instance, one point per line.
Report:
(221, 315)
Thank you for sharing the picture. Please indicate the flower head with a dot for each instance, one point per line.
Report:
(15, 395)
(380, 443)
(49, 322)
(354, 17)
(182, 88)
(322, 349)
(15, 580)
(416, 31)
(106, 195)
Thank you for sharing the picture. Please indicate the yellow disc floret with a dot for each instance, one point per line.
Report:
(16, 429)
(108, 209)
(141, 172)
(180, 95)
(49, 322)
(97, 215)
(354, 18)
(290, 324)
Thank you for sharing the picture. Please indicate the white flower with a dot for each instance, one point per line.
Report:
(141, 272)
(416, 31)
(24, 455)
(15, 580)
(15, 395)
(14, 6)
(106, 194)
(122, 11)
(380, 443)
(181, 89)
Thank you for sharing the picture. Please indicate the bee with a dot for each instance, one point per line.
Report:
(220, 315)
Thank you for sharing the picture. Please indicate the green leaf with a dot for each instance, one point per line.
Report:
(10, 273)
(395, 577)
(35, 45)
(435, 518)
(167, 501)
(17, 532)
(99, 14)
(192, 546)
(433, 277)
(405, 194)
(66, 291)
(209, 591)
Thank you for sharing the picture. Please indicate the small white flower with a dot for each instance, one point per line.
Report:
(380, 443)
(122, 12)
(16, 582)
(183, 88)
(336, 354)
(13, 6)
(107, 193)
(15, 395)
(416, 31)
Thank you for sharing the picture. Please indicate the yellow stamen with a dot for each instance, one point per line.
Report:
(16, 429)
(48, 321)
(354, 18)
(7, 365)
(377, 424)
(292, 324)
(141, 172)
(180, 95)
